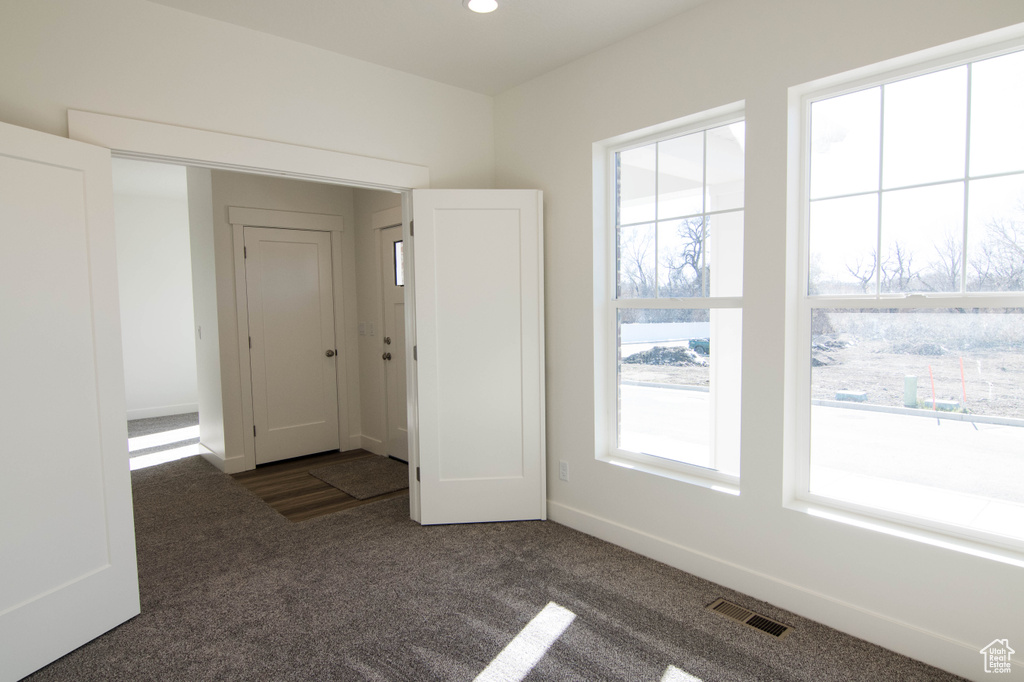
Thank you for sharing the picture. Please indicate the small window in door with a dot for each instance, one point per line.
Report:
(399, 265)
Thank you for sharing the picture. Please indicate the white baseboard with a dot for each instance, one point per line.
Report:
(374, 445)
(234, 465)
(938, 650)
(213, 458)
(231, 465)
(163, 411)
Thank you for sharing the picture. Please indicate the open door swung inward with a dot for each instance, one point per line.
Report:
(67, 537)
(479, 315)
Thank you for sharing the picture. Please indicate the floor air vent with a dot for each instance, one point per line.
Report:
(750, 619)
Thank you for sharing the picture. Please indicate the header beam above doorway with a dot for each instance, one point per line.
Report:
(150, 141)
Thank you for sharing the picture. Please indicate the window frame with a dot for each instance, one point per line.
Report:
(608, 303)
(797, 494)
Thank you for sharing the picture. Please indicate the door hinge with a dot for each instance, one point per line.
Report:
(411, 230)
(417, 474)
(250, 342)
(253, 430)
(414, 352)
(245, 252)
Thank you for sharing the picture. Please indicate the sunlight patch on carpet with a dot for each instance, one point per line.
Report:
(143, 461)
(674, 674)
(524, 652)
(154, 440)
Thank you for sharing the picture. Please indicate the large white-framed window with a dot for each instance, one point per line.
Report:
(671, 313)
(910, 339)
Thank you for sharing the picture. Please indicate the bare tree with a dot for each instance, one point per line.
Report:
(897, 270)
(863, 272)
(944, 273)
(636, 251)
(685, 265)
(999, 263)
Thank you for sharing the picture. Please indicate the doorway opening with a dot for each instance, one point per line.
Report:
(154, 267)
(157, 440)
(207, 151)
(175, 224)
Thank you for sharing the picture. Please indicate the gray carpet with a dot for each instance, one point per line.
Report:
(151, 425)
(233, 591)
(365, 477)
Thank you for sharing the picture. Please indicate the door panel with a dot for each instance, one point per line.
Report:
(67, 543)
(479, 278)
(479, 316)
(289, 287)
(392, 254)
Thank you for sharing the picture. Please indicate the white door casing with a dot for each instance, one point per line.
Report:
(480, 369)
(393, 291)
(67, 543)
(293, 355)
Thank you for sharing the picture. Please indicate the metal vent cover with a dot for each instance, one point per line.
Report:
(750, 619)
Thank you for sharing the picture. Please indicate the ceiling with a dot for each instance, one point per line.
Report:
(442, 40)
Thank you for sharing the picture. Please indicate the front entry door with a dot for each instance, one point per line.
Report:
(293, 357)
(480, 368)
(393, 354)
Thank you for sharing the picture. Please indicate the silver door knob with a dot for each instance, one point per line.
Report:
(329, 353)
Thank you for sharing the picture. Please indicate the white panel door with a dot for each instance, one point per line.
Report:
(393, 289)
(67, 539)
(480, 372)
(293, 358)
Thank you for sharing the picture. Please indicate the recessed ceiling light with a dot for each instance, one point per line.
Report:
(481, 6)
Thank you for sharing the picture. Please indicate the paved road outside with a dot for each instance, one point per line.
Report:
(957, 472)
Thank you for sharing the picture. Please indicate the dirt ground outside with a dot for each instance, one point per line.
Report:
(993, 379)
(666, 374)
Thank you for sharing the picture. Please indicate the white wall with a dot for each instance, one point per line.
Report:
(370, 312)
(206, 322)
(936, 604)
(142, 60)
(155, 285)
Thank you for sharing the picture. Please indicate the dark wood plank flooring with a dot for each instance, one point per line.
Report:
(292, 492)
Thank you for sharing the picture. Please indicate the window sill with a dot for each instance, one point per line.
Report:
(1003, 550)
(677, 471)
